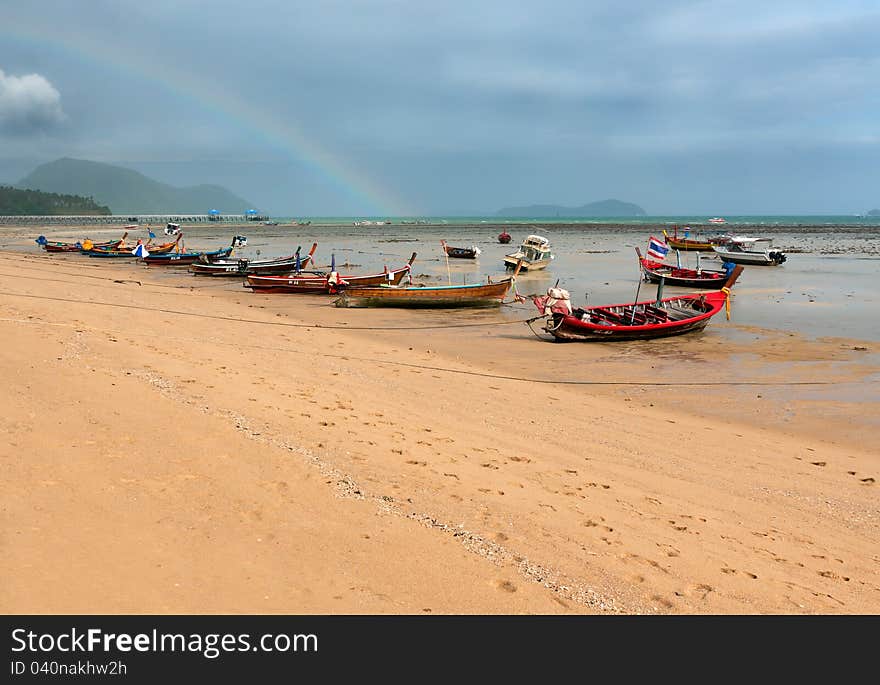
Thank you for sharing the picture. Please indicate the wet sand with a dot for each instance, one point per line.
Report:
(276, 454)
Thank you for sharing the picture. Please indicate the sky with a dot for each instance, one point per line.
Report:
(397, 107)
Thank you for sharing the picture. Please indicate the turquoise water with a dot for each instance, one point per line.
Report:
(828, 286)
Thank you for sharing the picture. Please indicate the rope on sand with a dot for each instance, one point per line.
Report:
(426, 367)
(287, 324)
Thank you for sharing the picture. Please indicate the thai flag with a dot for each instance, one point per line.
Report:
(657, 249)
(140, 251)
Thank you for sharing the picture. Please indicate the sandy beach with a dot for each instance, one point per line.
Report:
(171, 444)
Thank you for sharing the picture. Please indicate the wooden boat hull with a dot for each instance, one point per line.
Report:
(127, 252)
(704, 283)
(634, 321)
(68, 247)
(184, 258)
(444, 296)
(504, 238)
(685, 278)
(320, 283)
(77, 247)
(460, 252)
(688, 245)
(567, 331)
(246, 267)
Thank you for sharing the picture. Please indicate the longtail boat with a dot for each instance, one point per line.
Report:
(124, 252)
(460, 252)
(51, 246)
(754, 251)
(436, 296)
(182, 257)
(474, 295)
(634, 321)
(688, 244)
(331, 283)
(655, 271)
(244, 267)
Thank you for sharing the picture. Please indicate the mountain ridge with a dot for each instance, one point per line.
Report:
(127, 191)
(602, 208)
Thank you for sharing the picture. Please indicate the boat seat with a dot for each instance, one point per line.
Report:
(660, 315)
(599, 314)
(634, 316)
(679, 314)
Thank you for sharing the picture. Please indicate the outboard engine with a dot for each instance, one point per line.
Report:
(777, 257)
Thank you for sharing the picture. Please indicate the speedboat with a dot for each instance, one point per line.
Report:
(753, 251)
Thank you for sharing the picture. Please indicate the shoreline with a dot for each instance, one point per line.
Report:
(427, 478)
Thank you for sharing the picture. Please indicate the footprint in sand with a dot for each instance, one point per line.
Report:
(832, 575)
(819, 463)
(662, 601)
(417, 463)
(701, 590)
(668, 550)
(505, 585)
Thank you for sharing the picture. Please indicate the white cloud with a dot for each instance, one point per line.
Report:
(28, 104)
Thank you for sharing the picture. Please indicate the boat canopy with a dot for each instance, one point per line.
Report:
(537, 240)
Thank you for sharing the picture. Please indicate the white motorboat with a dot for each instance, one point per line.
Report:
(753, 251)
(534, 253)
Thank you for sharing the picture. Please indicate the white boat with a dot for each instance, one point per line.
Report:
(717, 220)
(754, 251)
(534, 253)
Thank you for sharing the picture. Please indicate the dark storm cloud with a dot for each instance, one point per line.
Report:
(551, 101)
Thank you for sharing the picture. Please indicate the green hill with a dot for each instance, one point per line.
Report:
(19, 202)
(602, 208)
(129, 192)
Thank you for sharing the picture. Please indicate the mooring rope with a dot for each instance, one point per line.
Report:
(426, 367)
(287, 324)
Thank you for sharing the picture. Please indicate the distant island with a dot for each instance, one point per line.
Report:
(874, 212)
(126, 191)
(19, 202)
(602, 208)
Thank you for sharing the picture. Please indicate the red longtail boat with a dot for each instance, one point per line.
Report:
(654, 271)
(634, 321)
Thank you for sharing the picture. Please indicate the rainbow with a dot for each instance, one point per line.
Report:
(282, 133)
